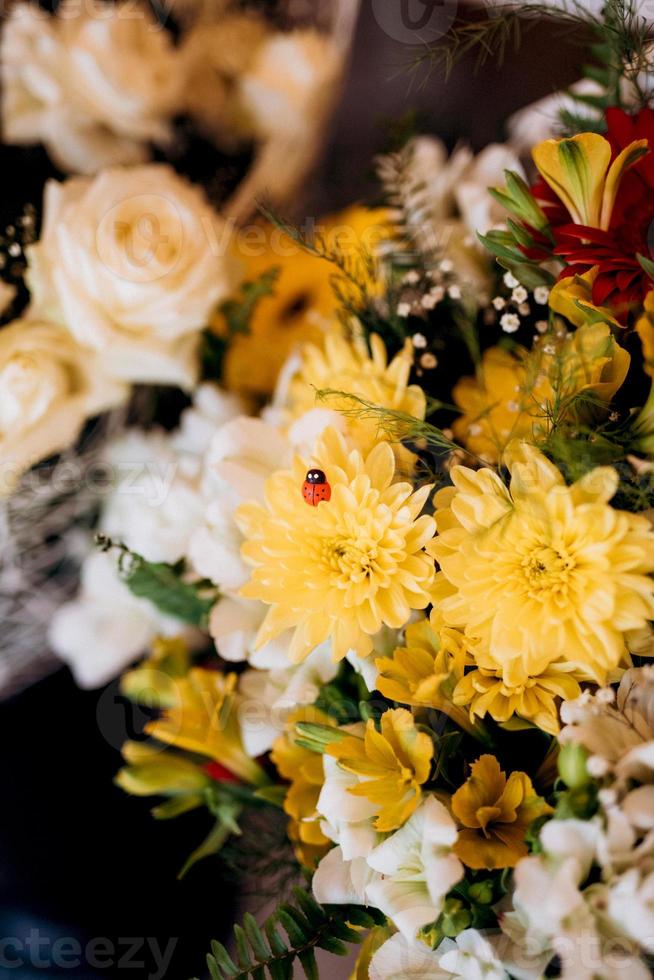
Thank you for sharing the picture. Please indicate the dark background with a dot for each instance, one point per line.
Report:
(78, 858)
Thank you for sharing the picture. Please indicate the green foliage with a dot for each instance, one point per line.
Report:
(163, 585)
(238, 312)
(398, 426)
(507, 247)
(265, 952)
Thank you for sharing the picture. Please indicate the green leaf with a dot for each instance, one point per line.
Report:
(210, 845)
(255, 937)
(223, 959)
(313, 912)
(238, 312)
(646, 265)
(176, 806)
(275, 795)
(242, 949)
(213, 968)
(296, 933)
(309, 965)
(162, 585)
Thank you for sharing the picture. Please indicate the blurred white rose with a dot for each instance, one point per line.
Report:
(48, 388)
(132, 262)
(96, 83)
(105, 627)
(288, 83)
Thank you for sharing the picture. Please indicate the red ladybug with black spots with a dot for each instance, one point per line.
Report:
(315, 488)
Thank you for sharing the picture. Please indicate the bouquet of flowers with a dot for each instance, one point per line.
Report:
(385, 588)
(149, 130)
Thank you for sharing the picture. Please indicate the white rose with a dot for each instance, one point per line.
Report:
(289, 83)
(95, 84)
(132, 262)
(48, 388)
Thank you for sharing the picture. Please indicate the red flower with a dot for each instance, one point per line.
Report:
(621, 282)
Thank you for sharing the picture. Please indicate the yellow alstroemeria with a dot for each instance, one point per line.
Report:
(573, 298)
(394, 762)
(203, 720)
(513, 692)
(645, 330)
(153, 681)
(580, 172)
(151, 770)
(303, 769)
(495, 813)
(426, 670)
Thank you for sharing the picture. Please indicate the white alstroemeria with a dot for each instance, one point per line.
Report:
(337, 881)
(417, 868)
(243, 453)
(105, 627)
(97, 85)
(234, 623)
(471, 956)
(631, 906)
(269, 696)
(154, 506)
(478, 209)
(620, 733)
(548, 900)
(212, 408)
(398, 959)
(348, 819)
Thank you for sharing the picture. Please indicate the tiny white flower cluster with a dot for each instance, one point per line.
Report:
(517, 305)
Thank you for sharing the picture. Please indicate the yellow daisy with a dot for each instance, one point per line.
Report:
(345, 568)
(542, 572)
(393, 762)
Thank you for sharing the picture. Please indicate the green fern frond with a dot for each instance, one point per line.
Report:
(262, 951)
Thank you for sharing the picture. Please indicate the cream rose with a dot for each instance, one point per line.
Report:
(132, 262)
(48, 388)
(96, 84)
(289, 83)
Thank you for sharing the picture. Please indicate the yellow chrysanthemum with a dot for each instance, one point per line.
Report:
(348, 366)
(426, 670)
(495, 814)
(304, 770)
(343, 569)
(542, 572)
(303, 305)
(394, 763)
(486, 691)
(202, 718)
(515, 395)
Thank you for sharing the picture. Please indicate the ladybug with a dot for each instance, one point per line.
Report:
(315, 488)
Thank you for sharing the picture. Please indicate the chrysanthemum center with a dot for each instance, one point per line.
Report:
(547, 569)
(353, 559)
